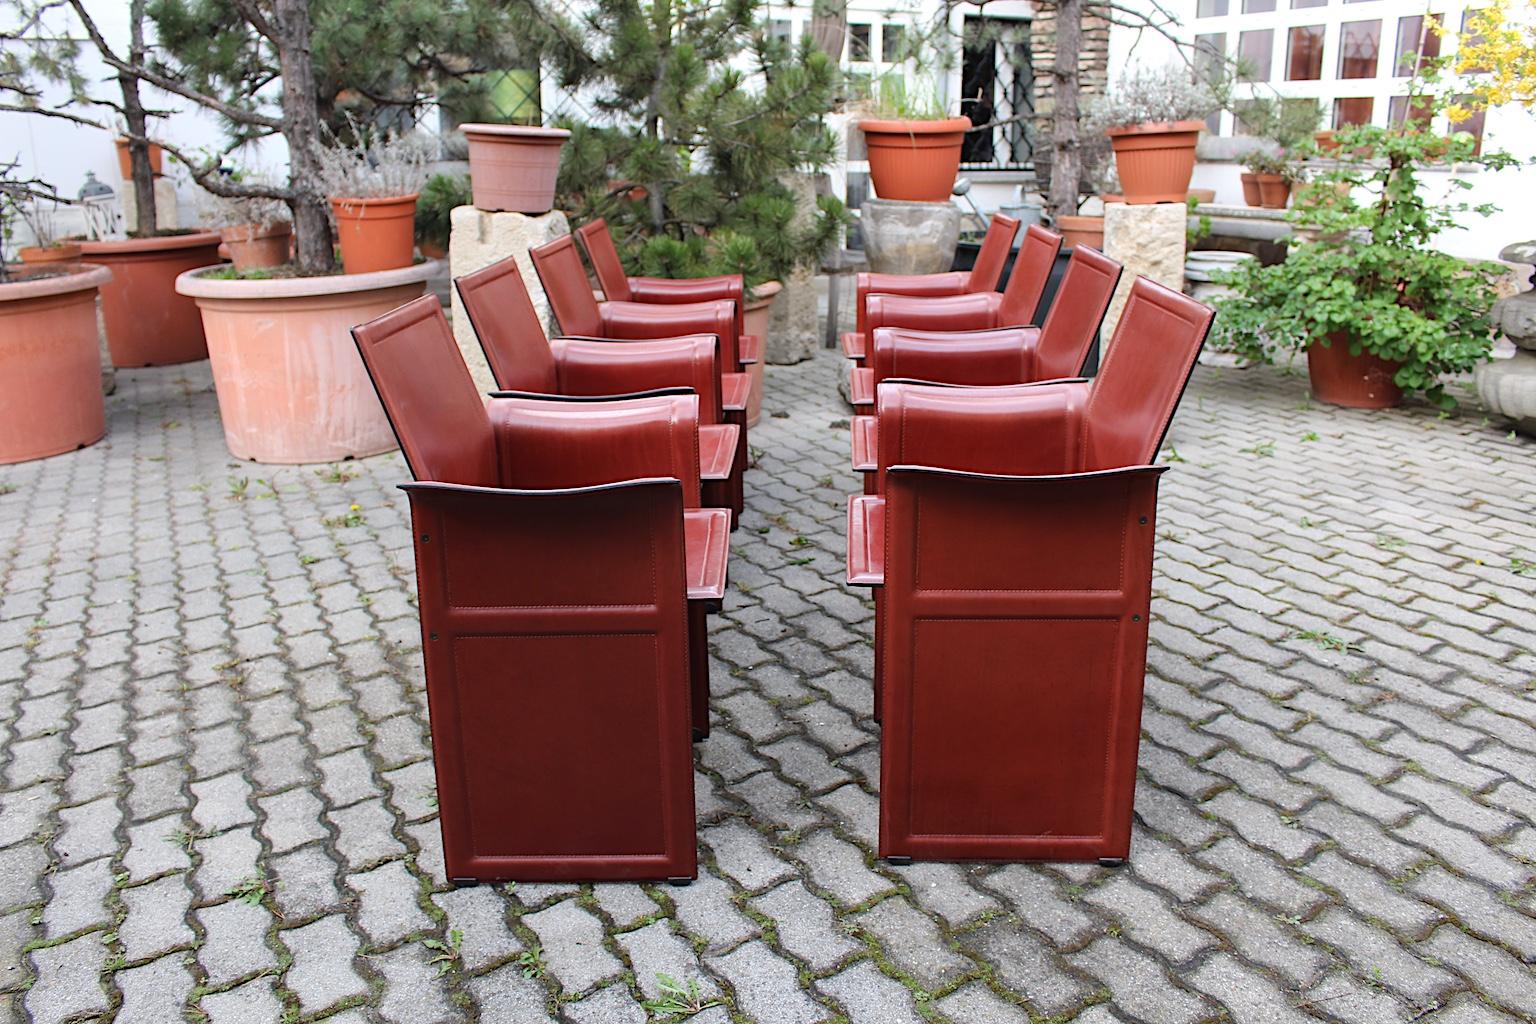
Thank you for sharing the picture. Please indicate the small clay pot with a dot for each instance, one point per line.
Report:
(375, 234)
(1274, 190)
(1251, 194)
(64, 252)
(253, 246)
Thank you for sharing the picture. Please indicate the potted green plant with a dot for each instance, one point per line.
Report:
(440, 196)
(1272, 175)
(1363, 291)
(373, 178)
(50, 367)
(1153, 118)
(913, 145)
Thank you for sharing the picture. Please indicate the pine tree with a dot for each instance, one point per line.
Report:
(706, 117)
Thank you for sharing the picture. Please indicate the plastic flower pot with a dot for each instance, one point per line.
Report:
(914, 161)
(375, 234)
(1251, 194)
(1363, 381)
(1077, 231)
(64, 252)
(1274, 191)
(50, 364)
(755, 321)
(148, 324)
(291, 386)
(513, 167)
(125, 159)
(253, 246)
(1155, 160)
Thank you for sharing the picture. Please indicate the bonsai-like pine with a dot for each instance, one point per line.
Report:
(710, 117)
(1363, 270)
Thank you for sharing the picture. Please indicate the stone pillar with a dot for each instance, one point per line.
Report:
(1149, 240)
(165, 206)
(909, 238)
(479, 238)
(792, 317)
(1508, 386)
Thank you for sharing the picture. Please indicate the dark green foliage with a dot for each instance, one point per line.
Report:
(434, 208)
(691, 174)
(1366, 271)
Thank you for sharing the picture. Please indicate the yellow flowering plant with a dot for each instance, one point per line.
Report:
(1500, 50)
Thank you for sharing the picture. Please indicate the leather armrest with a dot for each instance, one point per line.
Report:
(717, 450)
(970, 312)
(707, 538)
(861, 388)
(750, 348)
(854, 344)
(735, 390)
(607, 367)
(866, 540)
(866, 444)
(638, 320)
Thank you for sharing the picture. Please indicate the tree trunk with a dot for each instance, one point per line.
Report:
(142, 174)
(829, 27)
(1066, 155)
(301, 129)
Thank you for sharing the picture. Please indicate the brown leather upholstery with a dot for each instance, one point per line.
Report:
(1073, 321)
(1014, 653)
(1031, 271)
(502, 315)
(982, 277)
(565, 284)
(993, 255)
(604, 257)
(557, 618)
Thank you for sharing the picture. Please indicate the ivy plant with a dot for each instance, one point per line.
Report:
(1362, 269)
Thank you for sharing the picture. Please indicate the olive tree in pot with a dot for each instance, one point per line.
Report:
(1378, 310)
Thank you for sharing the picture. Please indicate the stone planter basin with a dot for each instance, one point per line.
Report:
(291, 386)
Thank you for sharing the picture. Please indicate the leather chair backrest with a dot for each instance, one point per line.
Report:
(994, 253)
(1022, 429)
(1081, 302)
(556, 650)
(1031, 270)
(548, 443)
(502, 316)
(986, 357)
(618, 368)
(564, 278)
(597, 240)
(427, 392)
(1143, 376)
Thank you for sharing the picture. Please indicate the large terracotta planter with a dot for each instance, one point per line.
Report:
(1155, 161)
(513, 167)
(291, 386)
(1077, 231)
(148, 324)
(755, 315)
(1358, 382)
(375, 234)
(50, 366)
(1274, 191)
(257, 246)
(64, 252)
(1251, 194)
(914, 161)
(125, 159)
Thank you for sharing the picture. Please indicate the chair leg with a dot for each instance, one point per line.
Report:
(698, 668)
(738, 493)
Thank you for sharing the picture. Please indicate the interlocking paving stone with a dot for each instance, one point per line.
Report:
(225, 690)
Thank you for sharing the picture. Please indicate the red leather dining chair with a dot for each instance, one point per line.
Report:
(1009, 355)
(982, 277)
(523, 360)
(597, 240)
(477, 577)
(1013, 545)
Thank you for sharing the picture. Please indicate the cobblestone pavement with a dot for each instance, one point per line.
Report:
(216, 797)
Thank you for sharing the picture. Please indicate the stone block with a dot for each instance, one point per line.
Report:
(479, 238)
(1148, 239)
(792, 320)
(916, 238)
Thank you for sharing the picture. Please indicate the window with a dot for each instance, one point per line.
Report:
(1417, 43)
(1210, 8)
(780, 29)
(1304, 58)
(1258, 6)
(1359, 45)
(1210, 52)
(1255, 54)
(1297, 5)
(1352, 110)
(890, 43)
(1469, 38)
(1398, 111)
(1473, 124)
(859, 43)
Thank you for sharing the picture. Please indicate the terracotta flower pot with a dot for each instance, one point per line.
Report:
(1325, 141)
(64, 252)
(148, 324)
(1251, 194)
(1077, 231)
(50, 366)
(1202, 195)
(375, 234)
(1155, 160)
(251, 246)
(125, 159)
(513, 167)
(914, 161)
(1274, 191)
(291, 386)
(755, 317)
(1364, 381)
